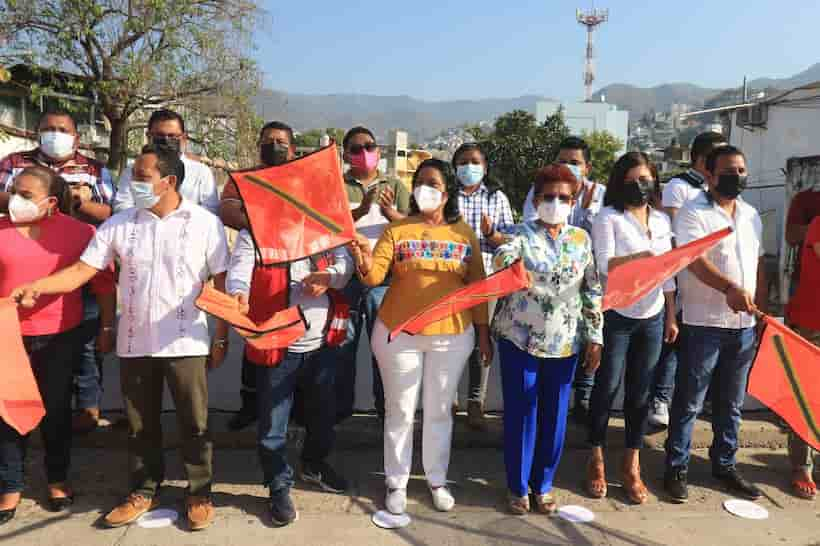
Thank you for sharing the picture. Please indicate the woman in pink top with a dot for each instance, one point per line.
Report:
(37, 238)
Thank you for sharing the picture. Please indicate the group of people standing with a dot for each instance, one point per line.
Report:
(164, 227)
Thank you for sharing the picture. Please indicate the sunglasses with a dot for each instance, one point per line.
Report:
(357, 148)
(561, 197)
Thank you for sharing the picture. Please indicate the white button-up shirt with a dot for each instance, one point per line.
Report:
(314, 309)
(164, 263)
(616, 234)
(198, 187)
(736, 256)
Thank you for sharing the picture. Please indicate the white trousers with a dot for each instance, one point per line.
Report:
(407, 364)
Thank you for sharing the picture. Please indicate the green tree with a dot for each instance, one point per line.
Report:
(603, 151)
(312, 137)
(518, 146)
(137, 55)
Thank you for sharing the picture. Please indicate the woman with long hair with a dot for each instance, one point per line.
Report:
(628, 228)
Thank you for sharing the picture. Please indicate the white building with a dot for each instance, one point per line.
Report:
(586, 117)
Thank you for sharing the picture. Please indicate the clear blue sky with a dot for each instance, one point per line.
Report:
(445, 49)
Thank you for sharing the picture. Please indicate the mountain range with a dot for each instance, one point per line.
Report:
(426, 119)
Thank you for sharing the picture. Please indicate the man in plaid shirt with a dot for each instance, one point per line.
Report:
(93, 191)
(487, 210)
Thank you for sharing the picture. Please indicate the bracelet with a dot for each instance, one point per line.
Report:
(220, 342)
(107, 328)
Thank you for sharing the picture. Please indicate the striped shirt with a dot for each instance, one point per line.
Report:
(79, 170)
(481, 202)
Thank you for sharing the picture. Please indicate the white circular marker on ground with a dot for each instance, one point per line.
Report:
(576, 514)
(156, 519)
(745, 509)
(386, 520)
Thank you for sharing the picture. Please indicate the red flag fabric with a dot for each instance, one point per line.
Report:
(297, 209)
(21, 406)
(499, 284)
(278, 332)
(629, 282)
(784, 378)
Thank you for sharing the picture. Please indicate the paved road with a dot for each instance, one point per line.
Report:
(478, 518)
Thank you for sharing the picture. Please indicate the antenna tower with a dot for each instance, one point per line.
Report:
(591, 19)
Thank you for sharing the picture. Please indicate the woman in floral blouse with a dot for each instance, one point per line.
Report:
(539, 332)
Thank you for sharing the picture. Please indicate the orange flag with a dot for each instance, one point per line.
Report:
(499, 284)
(297, 209)
(629, 282)
(21, 406)
(784, 377)
(278, 332)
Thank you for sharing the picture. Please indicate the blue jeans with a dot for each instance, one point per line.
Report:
(50, 357)
(706, 353)
(87, 365)
(536, 402)
(366, 301)
(630, 355)
(314, 373)
(665, 373)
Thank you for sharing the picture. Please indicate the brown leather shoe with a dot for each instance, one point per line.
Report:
(85, 420)
(130, 510)
(200, 512)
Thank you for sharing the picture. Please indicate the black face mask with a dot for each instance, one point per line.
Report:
(636, 194)
(731, 185)
(273, 153)
(165, 143)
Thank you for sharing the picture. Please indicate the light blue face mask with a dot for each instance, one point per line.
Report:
(576, 170)
(470, 174)
(143, 194)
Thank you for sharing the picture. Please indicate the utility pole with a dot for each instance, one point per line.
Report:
(591, 19)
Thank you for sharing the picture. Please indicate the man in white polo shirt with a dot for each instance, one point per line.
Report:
(168, 248)
(721, 294)
(166, 129)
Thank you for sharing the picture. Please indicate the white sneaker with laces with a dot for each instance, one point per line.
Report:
(442, 498)
(659, 416)
(396, 501)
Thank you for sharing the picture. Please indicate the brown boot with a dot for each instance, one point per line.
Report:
(475, 415)
(85, 420)
(130, 510)
(200, 512)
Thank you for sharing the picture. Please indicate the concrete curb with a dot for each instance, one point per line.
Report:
(363, 431)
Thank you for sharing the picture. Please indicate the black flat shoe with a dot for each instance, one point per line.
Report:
(7, 515)
(58, 504)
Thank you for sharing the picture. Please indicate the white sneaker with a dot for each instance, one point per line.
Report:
(442, 498)
(659, 416)
(396, 501)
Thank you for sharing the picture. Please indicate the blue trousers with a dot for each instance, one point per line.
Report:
(87, 365)
(666, 370)
(314, 375)
(630, 355)
(707, 355)
(536, 402)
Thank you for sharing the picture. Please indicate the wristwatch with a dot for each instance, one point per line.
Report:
(221, 342)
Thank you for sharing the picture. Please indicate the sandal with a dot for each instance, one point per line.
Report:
(805, 489)
(58, 504)
(518, 505)
(596, 478)
(635, 488)
(545, 503)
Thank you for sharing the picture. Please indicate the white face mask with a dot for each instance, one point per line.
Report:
(554, 212)
(24, 211)
(427, 198)
(56, 145)
(143, 194)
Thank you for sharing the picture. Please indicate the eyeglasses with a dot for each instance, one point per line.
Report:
(560, 197)
(357, 148)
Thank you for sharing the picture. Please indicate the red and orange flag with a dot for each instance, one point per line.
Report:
(499, 284)
(784, 378)
(629, 282)
(21, 406)
(278, 332)
(297, 209)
